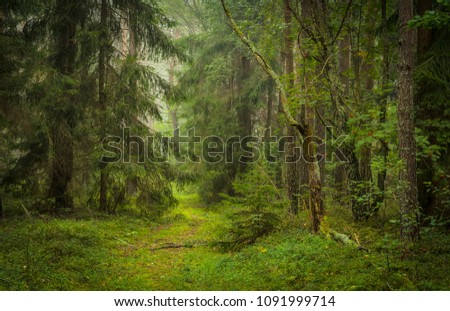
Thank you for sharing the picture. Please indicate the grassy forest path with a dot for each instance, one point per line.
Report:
(107, 252)
(167, 250)
(119, 252)
(176, 254)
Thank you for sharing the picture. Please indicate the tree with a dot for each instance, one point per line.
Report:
(102, 97)
(302, 131)
(409, 206)
(223, 94)
(381, 178)
(64, 115)
(431, 107)
(129, 34)
(292, 165)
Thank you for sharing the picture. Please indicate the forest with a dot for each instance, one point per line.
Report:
(224, 145)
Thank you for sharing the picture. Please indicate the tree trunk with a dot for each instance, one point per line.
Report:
(102, 99)
(243, 110)
(310, 150)
(343, 67)
(367, 67)
(62, 167)
(425, 165)
(320, 133)
(292, 175)
(171, 106)
(381, 178)
(303, 179)
(409, 206)
(173, 110)
(314, 181)
(281, 132)
(316, 200)
(269, 113)
(63, 123)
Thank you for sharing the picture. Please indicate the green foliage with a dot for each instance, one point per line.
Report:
(115, 253)
(432, 114)
(135, 189)
(66, 99)
(294, 260)
(212, 184)
(223, 89)
(434, 19)
(256, 207)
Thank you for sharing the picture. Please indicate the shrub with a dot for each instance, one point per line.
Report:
(255, 208)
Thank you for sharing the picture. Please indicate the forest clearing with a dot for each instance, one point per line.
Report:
(250, 145)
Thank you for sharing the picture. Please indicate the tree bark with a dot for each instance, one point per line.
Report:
(425, 165)
(173, 109)
(243, 110)
(319, 131)
(269, 113)
(367, 67)
(103, 39)
(409, 206)
(343, 67)
(64, 119)
(292, 181)
(316, 205)
(381, 178)
(310, 149)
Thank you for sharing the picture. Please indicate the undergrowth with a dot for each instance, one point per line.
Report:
(118, 253)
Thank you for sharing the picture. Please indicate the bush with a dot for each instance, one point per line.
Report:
(212, 184)
(255, 206)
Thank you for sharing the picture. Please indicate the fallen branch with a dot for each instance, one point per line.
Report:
(175, 246)
(344, 239)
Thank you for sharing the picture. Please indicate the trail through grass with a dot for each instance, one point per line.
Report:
(116, 253)
(161, 252)
(175, 253)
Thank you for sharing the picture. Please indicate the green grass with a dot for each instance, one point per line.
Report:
(118, 253)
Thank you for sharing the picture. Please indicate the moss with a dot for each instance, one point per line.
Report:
(115, 254)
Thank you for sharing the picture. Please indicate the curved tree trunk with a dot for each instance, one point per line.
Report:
(316, 205)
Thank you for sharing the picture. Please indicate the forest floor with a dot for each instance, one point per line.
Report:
(176, 253)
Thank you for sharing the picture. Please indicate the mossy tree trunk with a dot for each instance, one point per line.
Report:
(316, 205)
(292, 175)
